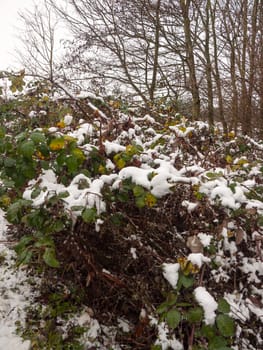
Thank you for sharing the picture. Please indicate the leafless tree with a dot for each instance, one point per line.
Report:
(39, 54)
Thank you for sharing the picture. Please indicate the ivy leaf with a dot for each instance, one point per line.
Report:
(173, 318)
(89, 215)
(49, 257)
(226, 325)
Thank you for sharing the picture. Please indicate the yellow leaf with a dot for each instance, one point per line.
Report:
(57, 144)
(40, 155)
(5, 200)
(182, 128)
(102, 169)
(187, 267)
(150, 200)
(229, 159)
(69, 138)
(61, 124)
(120, 162)
(79, 154)
(231, 134)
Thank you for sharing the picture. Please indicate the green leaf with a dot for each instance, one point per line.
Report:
(25, 257)
(187, 281)
(171, 299)
(117, 219)
(49, 257)
(223, 306)
(162, 308)
(38, 137)
(64, 194)
(123, 197)
(15, 211)
(43, 149)
(208, 331)
(58, 226)
(24, 241)
(173, 318)
(195, 315)
(44, 242)
(36, 192)
(138, 191)
(156, 347)
(89, 215)
(27, 148)
(140, 202)
(72, 164)
(217, 343)
(9, 162)
(226, 325)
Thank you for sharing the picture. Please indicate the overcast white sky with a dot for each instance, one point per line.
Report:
(8, 32)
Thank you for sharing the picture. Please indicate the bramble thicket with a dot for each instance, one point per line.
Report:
(137, 230)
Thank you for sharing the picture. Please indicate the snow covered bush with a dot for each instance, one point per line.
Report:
(154, 221)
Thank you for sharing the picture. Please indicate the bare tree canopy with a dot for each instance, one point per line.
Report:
(206, 53)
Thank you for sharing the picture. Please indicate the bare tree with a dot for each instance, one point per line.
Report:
(38, 54)
(119, 42)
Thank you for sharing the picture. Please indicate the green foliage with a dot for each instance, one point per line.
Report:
(89, 215)
(180, 308)
(173, 318)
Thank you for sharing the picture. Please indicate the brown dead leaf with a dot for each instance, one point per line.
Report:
(239, 236)
(194, 244)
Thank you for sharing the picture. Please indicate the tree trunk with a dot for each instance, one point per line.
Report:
(190, 60)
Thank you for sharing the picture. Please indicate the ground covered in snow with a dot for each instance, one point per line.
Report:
(142, 232)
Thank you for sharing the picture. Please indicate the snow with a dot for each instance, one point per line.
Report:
(189, 205)
(205, 239)
(198, 259)
(208, 304)
(171, 273)
(133, 253)
(113, 147)
(68, 119)
(15, 296)
(164, 340)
